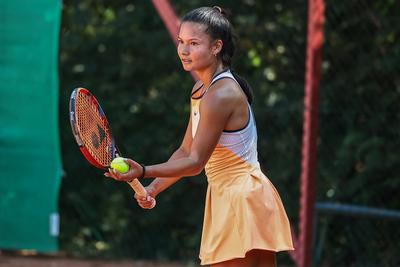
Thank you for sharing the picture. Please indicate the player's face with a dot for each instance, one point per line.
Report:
(195, 47)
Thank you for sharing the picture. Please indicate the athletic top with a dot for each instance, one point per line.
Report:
(242, 142)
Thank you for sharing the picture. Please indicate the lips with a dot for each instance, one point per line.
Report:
(186, 61)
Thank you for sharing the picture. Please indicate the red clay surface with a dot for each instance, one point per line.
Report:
(40, 261)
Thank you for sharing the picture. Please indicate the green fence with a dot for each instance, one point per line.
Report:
(30, 160)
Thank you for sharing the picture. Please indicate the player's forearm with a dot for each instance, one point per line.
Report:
(187, 166)
(160, 184)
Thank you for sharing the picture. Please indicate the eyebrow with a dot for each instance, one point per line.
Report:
(190, 39)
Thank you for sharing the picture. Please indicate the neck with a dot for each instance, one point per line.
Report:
(207, 75)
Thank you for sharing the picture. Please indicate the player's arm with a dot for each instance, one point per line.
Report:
(215, 111)
(160, 184)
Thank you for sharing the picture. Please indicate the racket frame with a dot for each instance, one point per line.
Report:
(72, 104)
(134, 184)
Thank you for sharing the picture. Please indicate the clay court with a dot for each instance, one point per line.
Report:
(46, 261)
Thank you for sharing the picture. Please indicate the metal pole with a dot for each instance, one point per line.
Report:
(171, 21)
(310, 129)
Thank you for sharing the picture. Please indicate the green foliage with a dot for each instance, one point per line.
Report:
(123, 53)
(359, 104)
(360, 129)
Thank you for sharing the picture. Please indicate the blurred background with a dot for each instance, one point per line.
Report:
(122, 52)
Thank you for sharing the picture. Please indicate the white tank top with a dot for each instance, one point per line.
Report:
(242, 142)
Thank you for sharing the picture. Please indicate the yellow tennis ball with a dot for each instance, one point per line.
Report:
(119, 165)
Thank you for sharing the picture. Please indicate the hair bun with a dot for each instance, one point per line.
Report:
(225, 13)
(219, 9)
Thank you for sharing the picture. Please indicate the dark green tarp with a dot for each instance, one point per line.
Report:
(30, 161)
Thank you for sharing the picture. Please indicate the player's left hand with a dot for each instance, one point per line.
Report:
(135, 171)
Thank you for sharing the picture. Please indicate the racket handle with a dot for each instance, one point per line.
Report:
(139, 189)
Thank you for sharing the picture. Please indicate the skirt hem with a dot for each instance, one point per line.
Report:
(243, 255)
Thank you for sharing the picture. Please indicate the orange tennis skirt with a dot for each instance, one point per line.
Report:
(243, 211)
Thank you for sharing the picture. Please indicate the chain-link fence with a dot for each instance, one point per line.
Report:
(357, 222)
(358, 159)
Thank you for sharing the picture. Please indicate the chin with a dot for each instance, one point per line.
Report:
(187, 68)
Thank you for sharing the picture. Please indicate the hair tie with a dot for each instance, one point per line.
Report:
(218, 8)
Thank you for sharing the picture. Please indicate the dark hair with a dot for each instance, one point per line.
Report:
(219, 27)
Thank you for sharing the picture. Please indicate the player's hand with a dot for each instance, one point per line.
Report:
(135, 171)
(146, 202)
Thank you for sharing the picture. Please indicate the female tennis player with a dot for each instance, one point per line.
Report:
(245, 222)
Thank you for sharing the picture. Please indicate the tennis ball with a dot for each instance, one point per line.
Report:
(119, 165)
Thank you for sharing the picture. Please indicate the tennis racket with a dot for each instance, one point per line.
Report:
(93, 135)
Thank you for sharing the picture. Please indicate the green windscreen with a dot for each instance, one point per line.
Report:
(30, 161)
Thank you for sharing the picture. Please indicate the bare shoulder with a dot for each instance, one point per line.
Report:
(225, 92)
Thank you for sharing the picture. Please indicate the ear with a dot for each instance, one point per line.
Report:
(217, 47)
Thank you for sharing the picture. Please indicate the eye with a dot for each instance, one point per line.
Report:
(194, 43)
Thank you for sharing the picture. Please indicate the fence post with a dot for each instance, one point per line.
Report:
(315, 36)
(171, 21)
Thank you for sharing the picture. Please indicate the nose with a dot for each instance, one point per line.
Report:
(183, 49)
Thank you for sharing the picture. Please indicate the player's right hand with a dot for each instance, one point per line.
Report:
(147, 201)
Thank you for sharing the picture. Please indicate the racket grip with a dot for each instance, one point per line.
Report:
(139, 189)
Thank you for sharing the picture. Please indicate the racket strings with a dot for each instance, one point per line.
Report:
(94, 129)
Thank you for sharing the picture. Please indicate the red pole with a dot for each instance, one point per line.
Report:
(171, 21)
(315, 36)
(168, 16)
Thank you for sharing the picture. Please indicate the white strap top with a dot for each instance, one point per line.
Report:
(242, 142)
